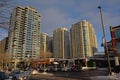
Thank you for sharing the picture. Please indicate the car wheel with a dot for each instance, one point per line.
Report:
(14, 78)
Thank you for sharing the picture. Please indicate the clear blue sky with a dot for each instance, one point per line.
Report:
(64, 13)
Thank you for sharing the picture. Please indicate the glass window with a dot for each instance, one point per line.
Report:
(118, 47)
(117, 33)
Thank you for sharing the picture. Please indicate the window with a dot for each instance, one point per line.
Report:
(117, 33)
(118, 47)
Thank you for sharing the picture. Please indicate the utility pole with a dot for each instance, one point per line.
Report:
(105, 47)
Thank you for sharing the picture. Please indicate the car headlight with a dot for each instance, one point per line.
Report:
(20, 78)
(25, 78)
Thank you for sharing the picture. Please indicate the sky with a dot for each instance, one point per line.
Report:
(64, 13)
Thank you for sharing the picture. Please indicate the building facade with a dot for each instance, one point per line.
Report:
(44, 38)
(46, 45)
(83, 40)
(24, 32)
(61, 43)
(50, 46)
(45, 42)
(115, 36)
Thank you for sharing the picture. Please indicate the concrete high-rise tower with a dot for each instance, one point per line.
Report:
(83, 40)
(24, 33)
(45, 43)
(61, 43)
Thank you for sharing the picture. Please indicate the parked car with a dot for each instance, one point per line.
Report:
(20, 75)
(49, 68)
(4, 76)
(76, 68)
(67, 68)
(56, 68)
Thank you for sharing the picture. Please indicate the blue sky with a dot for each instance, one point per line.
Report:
(64, 13)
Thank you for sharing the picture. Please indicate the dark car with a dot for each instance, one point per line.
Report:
(4, 76)
(76, 68)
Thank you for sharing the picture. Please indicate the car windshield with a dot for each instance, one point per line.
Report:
(17, 72)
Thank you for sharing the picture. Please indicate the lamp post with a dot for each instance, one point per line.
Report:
(105, 46)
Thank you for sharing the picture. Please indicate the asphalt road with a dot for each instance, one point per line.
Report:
(82, 75)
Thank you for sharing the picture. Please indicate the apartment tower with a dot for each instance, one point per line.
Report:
(44, 38)
(83, 40)
(45, 45)
(24, 33)
(61, 43)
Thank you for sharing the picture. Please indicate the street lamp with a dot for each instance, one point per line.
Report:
(28, 56)
(105, 46)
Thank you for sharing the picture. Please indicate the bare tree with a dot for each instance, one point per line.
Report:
(44, 54)
(4, 59)
(48, 54)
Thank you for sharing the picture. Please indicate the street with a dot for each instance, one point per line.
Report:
(82, 75)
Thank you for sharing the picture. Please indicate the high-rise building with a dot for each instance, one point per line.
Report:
(45, 42)
(61, 43)
(50, 46)
(83, 40)
(24, 33)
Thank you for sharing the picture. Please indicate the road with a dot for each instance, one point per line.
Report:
(82, 75)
